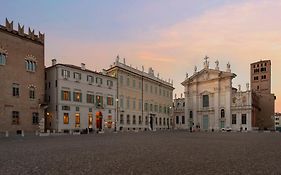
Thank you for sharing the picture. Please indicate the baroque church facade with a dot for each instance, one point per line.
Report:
(213, 104)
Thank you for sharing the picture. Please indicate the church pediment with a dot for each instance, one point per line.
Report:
(207, 75)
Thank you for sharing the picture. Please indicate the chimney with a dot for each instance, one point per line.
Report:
(54, 62)
(83, 66)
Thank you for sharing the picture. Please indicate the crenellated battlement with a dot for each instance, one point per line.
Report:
(20, 32)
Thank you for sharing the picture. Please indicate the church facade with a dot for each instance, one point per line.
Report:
(213, 104)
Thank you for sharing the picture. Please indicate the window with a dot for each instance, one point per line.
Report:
(177, 119)
(146, 106)
(77, 120)
(30, 65)
(35, 118)
(263, 69)
(90, 79)
(151, 89)
(121, 80)
(160, 91)
(99, 81)
(65, 118)
(76, 76)
(160, 109)
(90, 98)
(3, 58)
(155, 89)
(222, 113)
(183, 104)
(146, 87)
(32, 93)
(128, 81)
(155, 108)
(128, 103)
(65, 95)
(156, 120)
(134, 83)
(164, 121)
(77, 96)
(134, 119)
(140, 121)
(151, 107)
(99, 101)
(140, 105)
(65, 73)
(65, 108)
(121, 102)
(160, 121)
(77, 108)
(128, 119)
(244, 119)
(234, 119)
(121, 119)
(263, 77)
(134, 104)
(139, 85)
(256, 78)
(16, 90)
(109, 83)
(110, 100)
(182, 119)
(205, 100)
(16, 118)
(190, 114)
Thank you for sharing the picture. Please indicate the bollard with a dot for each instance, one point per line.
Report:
(22, 133)
(7, 134)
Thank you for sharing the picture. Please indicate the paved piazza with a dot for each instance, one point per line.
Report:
(162, 152)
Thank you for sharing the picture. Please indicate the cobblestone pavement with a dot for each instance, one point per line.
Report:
(162, 152)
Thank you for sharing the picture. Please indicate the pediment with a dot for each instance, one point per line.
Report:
(208, 74)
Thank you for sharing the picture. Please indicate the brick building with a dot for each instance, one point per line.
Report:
(263, 99)
(22, 79)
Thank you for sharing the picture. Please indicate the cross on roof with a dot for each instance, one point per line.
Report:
(206, 58)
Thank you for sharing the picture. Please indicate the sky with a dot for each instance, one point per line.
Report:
(171, 36)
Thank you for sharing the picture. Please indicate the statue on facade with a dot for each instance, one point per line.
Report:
(206, 62)
(247, 86)
(228, 67)
(142, 67)
(117, 59)
(186, 75)
(195, 69)
(217, 64)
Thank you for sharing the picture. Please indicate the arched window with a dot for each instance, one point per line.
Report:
(30, 64)
(128, 119)
(3, 58)
(190, 114)
(222, 113)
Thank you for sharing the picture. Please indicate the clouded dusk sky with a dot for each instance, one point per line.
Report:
(172, 36)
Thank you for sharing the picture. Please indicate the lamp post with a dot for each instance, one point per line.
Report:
(115, 126)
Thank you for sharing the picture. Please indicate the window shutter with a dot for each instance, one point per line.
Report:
(81, 97)
(69, 95)
(73, 96)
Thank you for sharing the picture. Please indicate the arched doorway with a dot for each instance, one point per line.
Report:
(99, 121)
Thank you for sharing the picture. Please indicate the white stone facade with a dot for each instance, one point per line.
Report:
(144, 100)
(180, 121)
(209, 99)
(79, 98)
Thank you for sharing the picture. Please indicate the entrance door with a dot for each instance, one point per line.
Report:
(222, 124)
(205, 122)
(151, 122)
(99, 121)
(90, 121)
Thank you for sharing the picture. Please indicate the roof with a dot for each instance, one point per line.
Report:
(79, 68)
